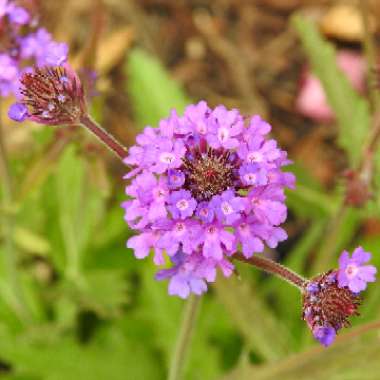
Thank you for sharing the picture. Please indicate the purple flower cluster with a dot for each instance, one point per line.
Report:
(204, 186)
(22, 45)
(331, 298)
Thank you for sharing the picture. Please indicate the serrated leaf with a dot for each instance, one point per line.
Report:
(352, 110)
(152, 92)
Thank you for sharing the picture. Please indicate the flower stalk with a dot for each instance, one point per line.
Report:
(106, 138)
(274, 268)
(184, 338)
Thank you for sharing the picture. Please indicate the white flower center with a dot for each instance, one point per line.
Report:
(223, 134)
(244, 228)
(255, 157)
(182, 204)
(167, 157)
(250, 178)
(211, 230)
(204, 212)
(159, 194)
(226, 208)
(180, 228)
(201, 128)
(351, 270)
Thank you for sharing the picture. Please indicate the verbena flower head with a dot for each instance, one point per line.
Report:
(50, 96)
(330, 299)
(23, 44)
(205, 185)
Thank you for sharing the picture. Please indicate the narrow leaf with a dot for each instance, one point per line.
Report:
(352, 111)
(152, 91)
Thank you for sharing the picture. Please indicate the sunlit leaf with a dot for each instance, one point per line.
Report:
(152, 91)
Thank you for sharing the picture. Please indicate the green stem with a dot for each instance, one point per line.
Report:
(184, 338)
(7, 221)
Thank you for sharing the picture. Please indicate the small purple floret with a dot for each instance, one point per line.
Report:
(18, 15)
(325, 335)
(227, 206)
(181, 204)
(253, 174)
(205, 212)
(312, 287)
(175, 179)
(18, 112)
(352, 273)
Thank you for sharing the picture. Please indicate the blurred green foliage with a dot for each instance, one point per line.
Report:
(86, 309)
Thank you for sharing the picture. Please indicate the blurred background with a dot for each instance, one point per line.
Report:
(76, 304)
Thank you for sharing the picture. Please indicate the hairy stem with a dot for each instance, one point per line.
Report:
(274, 268)
(106, 138)
(184, 338)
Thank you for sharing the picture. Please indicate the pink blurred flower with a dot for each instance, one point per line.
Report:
(311, 101)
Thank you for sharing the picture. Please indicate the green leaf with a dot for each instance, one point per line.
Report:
(108, 356)
(264, 333)
(351, 109)
(340, 232)
(31, 242)
(353, 356)
(73, 209)
(308, 199)
(152, 92)
(105, 292)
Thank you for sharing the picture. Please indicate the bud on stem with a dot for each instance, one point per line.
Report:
(55, 96)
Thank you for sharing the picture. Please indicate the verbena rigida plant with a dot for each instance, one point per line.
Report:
(205, 187)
